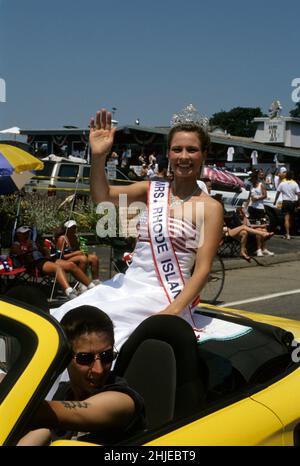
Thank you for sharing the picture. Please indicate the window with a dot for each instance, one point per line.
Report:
(68, 173)
(86, 175)
(46, 171)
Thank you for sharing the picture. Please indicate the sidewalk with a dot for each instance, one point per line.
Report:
(284, 251)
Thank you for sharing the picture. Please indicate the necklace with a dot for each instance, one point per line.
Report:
(174, 201)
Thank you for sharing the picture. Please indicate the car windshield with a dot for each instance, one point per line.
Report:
(46, 171)
(115, 173)
(68, 172)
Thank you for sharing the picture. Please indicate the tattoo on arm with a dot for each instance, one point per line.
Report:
(75, 404)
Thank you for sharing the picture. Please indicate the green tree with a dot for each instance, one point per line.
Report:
(238, 121)
(295, 112)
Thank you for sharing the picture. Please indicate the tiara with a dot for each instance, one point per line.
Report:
(190, 114)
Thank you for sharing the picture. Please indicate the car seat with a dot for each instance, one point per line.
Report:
(160, 361)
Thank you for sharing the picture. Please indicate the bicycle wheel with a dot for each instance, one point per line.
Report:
(215, 282)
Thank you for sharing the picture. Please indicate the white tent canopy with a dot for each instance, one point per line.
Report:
(13, 130)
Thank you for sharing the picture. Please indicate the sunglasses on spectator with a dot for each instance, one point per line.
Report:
(86, 359)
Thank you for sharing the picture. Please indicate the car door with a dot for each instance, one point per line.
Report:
(243, 423)
(33, 352)
(283, 399)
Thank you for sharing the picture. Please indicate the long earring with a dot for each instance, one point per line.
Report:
(170, 174)
(169, 168)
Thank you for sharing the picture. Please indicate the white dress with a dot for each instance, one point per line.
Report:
(132, 297)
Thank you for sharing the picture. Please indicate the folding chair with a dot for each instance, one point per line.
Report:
(230, 247)
(118, 248)
(8, 273)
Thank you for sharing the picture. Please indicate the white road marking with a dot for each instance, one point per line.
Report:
(261, 298)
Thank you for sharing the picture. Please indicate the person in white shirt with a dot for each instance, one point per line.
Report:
(280, 176)
(256, 210)
(290, 191)
(151, 171)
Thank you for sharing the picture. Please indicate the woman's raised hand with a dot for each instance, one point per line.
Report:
(101, 133)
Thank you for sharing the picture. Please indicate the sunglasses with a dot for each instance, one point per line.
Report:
(86, 359)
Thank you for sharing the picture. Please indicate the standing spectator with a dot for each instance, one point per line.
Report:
(256, 210)
(290, 191)
(124, 158)
(280, 176)
(142, 159)
(152, 158)
(261, 176)
(114, 158)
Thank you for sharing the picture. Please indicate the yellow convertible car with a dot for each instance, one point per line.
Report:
(248, 395)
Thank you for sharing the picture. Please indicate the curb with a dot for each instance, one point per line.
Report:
(231, 264)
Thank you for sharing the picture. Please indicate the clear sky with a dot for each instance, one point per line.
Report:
(63, 59)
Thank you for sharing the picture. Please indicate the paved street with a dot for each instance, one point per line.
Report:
(273, 289)
(256, 280)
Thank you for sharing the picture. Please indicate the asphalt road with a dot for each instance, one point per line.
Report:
(270, 289)
(270, 285)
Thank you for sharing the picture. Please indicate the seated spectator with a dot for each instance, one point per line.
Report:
(241, 233)
(66, 240)
(25, 252)
(142, 159)
(259, 225)
(152, 158)
(237, 226)
(94, 402)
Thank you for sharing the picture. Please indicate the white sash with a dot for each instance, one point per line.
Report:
(165, 261)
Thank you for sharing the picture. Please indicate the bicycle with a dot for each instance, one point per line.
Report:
(215, 282)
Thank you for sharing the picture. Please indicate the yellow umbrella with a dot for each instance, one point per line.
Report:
(15, 166)
(14, 159)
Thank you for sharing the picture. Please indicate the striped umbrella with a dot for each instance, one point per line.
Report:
(15, 166)
(222, 177)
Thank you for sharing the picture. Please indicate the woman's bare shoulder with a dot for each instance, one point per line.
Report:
(204, 197)
(212, 203)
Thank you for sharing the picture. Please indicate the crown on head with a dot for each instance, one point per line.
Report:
(190, 114)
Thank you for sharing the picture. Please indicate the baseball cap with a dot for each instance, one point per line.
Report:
(70, 224)
(282, 170)
(23, 229)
